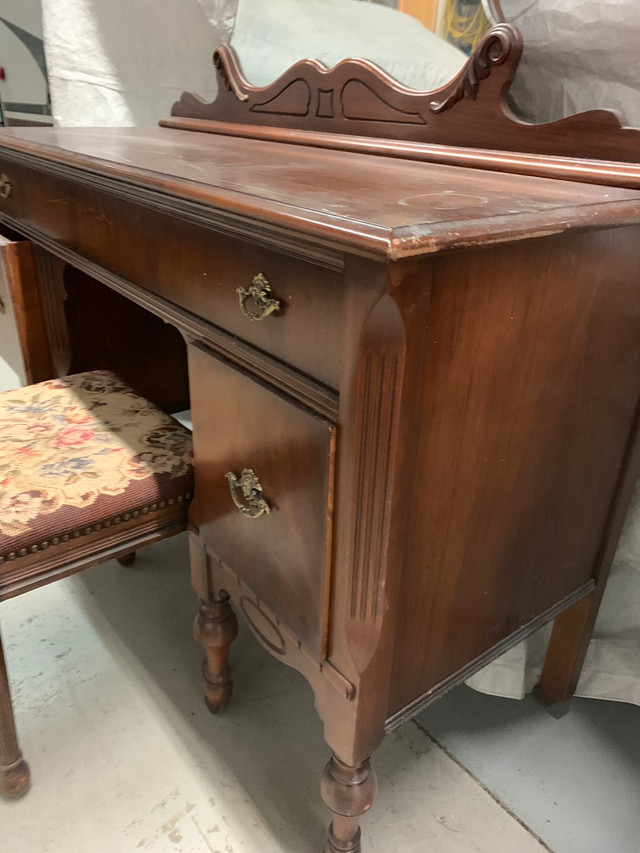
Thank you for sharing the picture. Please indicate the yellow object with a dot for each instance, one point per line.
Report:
(425, 11)
(463, 23)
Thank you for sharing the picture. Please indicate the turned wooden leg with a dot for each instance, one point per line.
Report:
(349, 793)
(127, 559)
(14, 771)
(566, 652)
(215, 629)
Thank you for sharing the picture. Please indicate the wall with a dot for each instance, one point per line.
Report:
(24, 80)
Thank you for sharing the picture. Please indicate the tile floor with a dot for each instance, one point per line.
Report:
(125, 757)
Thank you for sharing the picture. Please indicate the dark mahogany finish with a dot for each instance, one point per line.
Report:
(357, 106)
(424, 450)
(18, 263)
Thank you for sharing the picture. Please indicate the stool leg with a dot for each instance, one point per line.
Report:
(14, 771)
(215, 629)
(127, 559)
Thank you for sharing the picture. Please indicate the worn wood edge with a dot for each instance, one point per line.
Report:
(82, 553)
(308, 391)
(356, 237)
(510, 228)
(607, 172)
(271, 224)
(422, 702)
(402, 242)
(329, 539)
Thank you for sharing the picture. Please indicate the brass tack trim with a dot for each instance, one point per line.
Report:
(85, 531)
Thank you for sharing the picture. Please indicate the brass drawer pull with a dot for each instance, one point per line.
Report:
(258, 294)
(252, 504)
(5, 186)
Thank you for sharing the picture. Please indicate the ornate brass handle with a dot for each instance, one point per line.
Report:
(258, 293)
(252, 504)
(5, 186)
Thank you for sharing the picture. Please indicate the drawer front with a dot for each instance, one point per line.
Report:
(286, 307)
(274, 533)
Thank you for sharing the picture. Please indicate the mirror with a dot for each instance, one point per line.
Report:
(271, 37)
(579, 55)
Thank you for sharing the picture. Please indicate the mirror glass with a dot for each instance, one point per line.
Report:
(270, 37)
(579, 54)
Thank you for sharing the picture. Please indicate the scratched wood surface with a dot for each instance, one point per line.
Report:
(392, 207)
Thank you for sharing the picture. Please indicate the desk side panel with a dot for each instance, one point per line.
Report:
(530, 387)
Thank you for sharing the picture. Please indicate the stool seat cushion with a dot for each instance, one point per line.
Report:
(82, 451)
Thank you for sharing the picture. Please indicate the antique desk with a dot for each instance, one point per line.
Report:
(413, 366)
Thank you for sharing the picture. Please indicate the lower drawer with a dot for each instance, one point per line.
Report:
(263, 495)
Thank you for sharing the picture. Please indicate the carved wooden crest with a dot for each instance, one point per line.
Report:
(356, 98)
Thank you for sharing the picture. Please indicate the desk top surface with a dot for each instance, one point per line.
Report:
(389, 206)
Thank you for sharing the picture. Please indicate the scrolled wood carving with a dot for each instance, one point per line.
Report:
(499, 46)
(357, 100)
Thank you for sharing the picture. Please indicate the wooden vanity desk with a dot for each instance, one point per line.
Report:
(414, 368)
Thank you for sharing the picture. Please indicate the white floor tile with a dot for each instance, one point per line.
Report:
(575, 781)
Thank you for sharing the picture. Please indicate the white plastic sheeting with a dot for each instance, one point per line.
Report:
(126, 61)
(579, 55)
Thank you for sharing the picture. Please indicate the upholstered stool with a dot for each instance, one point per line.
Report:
(89, 471)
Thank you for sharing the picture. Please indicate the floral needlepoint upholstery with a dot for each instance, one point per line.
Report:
(82, 450)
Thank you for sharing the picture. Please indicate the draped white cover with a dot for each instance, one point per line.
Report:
(579, 55)
(124, 62)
